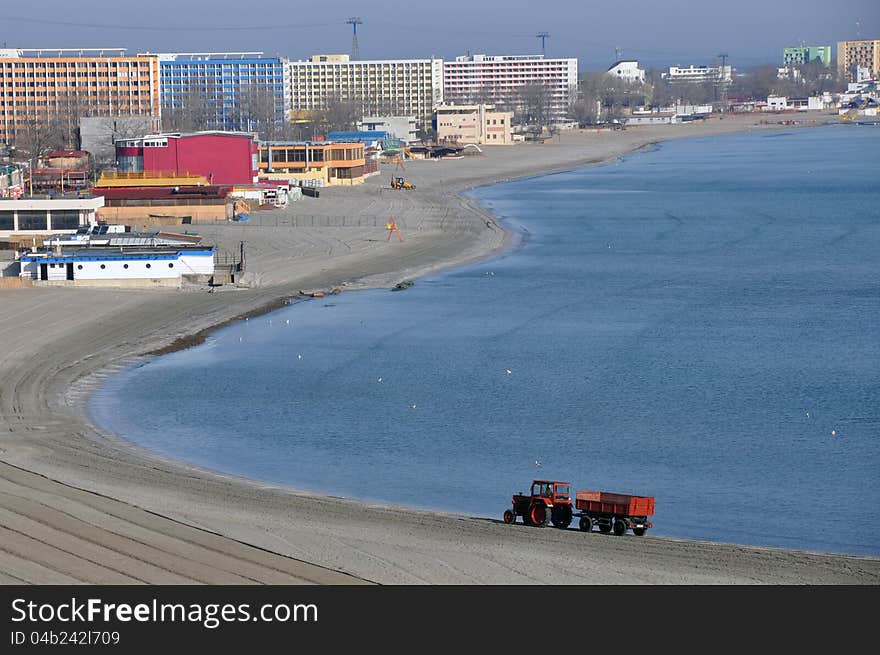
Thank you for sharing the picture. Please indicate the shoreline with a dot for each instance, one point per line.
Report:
(188, 494)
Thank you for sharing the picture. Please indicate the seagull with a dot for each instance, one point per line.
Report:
(808, 414)
(508, 371)
(239, 338)
(299, 356)
(413, 406)
(834, 433)
(537, 463)
(379, 380)
(287, 322)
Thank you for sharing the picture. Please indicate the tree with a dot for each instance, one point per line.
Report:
(339, 113)
(39, 133)
(257, 110)
(603, 98)
(193, 112)
(532, 105)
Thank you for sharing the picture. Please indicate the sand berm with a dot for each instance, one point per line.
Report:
(78, 505)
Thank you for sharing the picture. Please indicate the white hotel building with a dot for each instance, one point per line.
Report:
(699, 74)
(388, 87)
(498, 79)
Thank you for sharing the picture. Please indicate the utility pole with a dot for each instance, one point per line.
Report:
(355, 51)
(543, 36)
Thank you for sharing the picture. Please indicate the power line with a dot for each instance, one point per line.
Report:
(167, 28)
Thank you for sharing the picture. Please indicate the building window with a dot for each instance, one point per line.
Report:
(65, 219)
(31, 220)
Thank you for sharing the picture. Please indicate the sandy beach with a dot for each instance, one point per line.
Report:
(82, 506)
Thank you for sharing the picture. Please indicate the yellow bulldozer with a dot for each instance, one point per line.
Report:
(401, 183)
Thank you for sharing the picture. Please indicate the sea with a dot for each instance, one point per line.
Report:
(699, 322)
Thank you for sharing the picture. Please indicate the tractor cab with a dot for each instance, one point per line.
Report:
(557, 493)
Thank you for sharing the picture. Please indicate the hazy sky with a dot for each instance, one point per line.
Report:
(657, 32)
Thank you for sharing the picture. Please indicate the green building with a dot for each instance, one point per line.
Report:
(807, 54)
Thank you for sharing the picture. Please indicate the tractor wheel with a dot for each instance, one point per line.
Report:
(586, 523)
(509, 516)
(619, 527)
(639, 532)
(539, 515)
(604, 528)
(561, 517)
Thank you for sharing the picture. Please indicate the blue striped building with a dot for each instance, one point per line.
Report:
(238, 90)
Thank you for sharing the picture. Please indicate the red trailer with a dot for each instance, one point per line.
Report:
(610, 511)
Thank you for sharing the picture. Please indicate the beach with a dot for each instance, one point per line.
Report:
(79, 505)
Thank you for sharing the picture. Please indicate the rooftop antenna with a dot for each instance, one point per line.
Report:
(354, 22)
(722, 77)
(617, 53)
(858, 29)
(543, 36)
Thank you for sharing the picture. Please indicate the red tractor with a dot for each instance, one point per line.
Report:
(548, 502)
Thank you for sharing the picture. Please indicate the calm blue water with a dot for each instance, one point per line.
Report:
(690, 323)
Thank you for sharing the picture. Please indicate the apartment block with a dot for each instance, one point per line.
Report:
(502, 80)
(39, 87)
(226, 90)
(479, 124)
(807, 54)
(852, 55)
(390, 87)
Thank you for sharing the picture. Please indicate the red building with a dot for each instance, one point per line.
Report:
(222, 157)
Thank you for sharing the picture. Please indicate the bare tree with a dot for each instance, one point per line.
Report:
(39, 133)
(603, 98)
(339, 113)
(193, 112)
(533, 106)
(258, 112)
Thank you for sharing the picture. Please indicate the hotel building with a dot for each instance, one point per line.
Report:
(499, 80)
(389, 87)
(478, 124)
(807, 54)
(236, 90)
(852, 55)
(699, 74)
(38, 86)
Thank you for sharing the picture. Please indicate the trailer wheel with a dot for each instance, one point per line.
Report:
(639, 532)
(619, 527)
(586, 524)
(561, 517)
(539, 515)
(509, 516)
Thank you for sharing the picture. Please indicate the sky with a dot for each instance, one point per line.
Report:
(658, 33)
